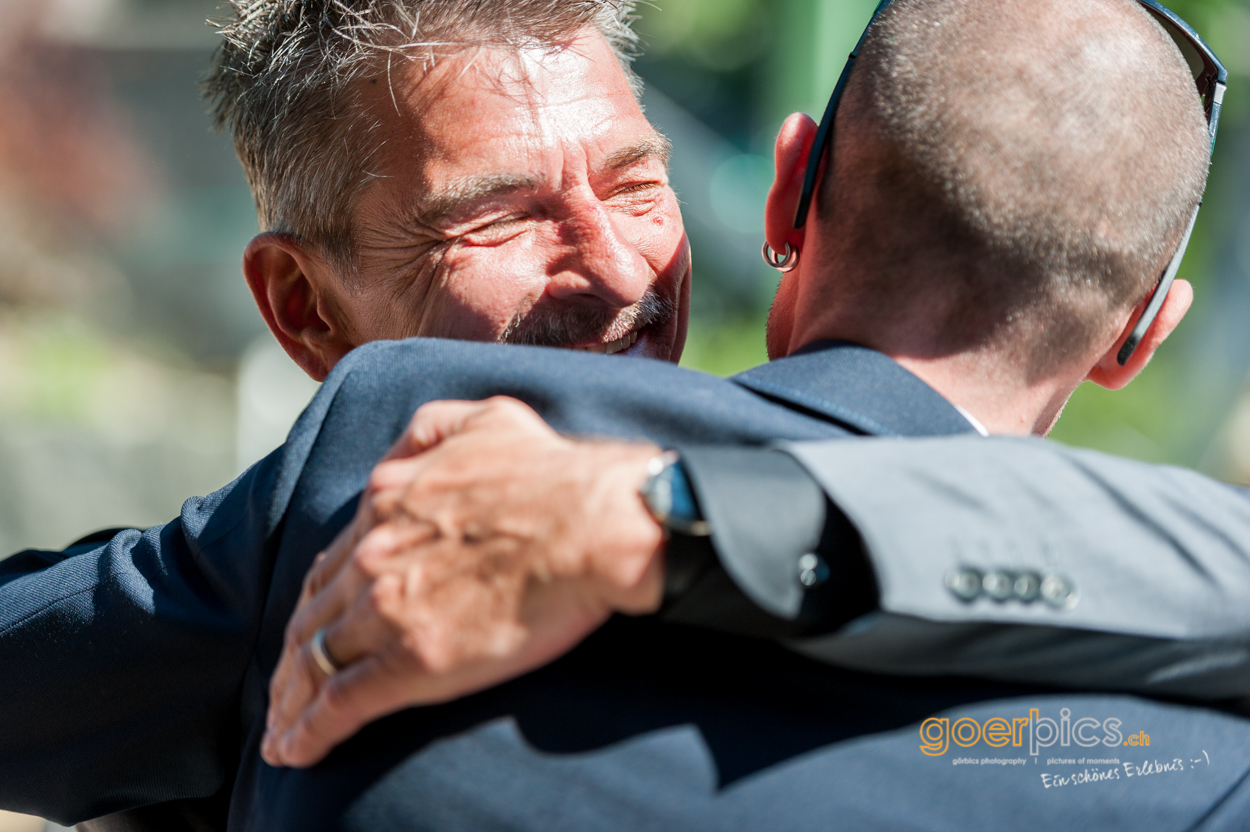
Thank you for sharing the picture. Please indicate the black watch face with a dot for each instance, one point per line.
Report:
(670, 499)
(657, 494)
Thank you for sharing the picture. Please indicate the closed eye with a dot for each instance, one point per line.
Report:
(639, 188)
(497, 231)
(638, 198)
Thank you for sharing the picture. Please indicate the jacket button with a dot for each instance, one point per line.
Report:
(964, 584)
(998, 585)
(1027, 587)
(1059, 592)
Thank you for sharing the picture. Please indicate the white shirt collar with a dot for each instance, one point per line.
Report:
(972, 420)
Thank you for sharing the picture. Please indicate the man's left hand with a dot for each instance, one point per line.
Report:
(485, 546)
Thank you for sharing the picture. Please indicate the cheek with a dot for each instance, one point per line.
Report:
(481, 290)
(660, 238)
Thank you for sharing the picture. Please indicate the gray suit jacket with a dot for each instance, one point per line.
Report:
(1157, 558)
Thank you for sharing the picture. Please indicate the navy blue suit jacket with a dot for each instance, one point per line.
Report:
(173, 635)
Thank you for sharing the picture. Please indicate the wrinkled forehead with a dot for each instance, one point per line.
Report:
(488, 111)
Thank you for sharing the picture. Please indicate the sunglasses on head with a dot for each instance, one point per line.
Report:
(1209, 75)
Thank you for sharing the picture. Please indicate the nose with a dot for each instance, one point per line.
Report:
(600, 264)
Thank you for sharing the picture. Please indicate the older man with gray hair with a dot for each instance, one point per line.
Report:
(452, 169)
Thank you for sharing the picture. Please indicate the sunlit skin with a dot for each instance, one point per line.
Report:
(510, 187)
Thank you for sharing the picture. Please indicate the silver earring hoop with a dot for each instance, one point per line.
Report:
(785, 264)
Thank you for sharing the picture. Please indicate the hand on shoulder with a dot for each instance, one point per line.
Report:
(485, 546)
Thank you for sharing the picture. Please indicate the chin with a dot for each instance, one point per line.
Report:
(665, 341)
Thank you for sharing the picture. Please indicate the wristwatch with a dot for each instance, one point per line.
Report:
(670, 500)
(668, 497)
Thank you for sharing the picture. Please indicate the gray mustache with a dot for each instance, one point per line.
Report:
(571, 325)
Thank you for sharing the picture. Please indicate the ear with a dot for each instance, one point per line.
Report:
(794, 142)
(1108, 372)
(290, 288)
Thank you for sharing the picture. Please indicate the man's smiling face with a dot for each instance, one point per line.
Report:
(519, 197)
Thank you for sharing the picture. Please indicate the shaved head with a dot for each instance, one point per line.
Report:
(1021, 169)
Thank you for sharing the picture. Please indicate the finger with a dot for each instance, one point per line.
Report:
(290, 691)
(330, 562)
(299, 674)
(387, 548)
(392, 475)
(346, 642)
(322, 599)
(387, 485)
(282, 680)
(384, 683)
(431, 424)
(299, 630)
(326, 606)
(378, 685)
(436, 422)
(378, 623)
(345, 703)
(349, 612)
(297, 678)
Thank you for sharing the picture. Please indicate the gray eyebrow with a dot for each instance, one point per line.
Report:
(435, 209)
(655, 146)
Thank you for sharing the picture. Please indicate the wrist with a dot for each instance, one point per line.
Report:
(629, 563)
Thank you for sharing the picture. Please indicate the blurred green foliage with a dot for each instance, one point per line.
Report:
(725, 347)
(1224, 25)
(722, 35)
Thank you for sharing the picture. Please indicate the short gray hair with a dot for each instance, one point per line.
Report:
(1053, 150)
(282, 83)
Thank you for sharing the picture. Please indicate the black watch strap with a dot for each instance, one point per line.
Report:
(687, 560)
(671, 500)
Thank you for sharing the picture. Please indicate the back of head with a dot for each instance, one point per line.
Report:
(1023, 168)
(285, 83)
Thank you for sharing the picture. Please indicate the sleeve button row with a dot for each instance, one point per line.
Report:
(968, 584)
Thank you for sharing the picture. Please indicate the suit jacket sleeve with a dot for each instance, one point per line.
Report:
(121, 663)
(1152, 564)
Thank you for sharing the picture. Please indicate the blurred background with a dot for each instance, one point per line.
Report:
(135, 370)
